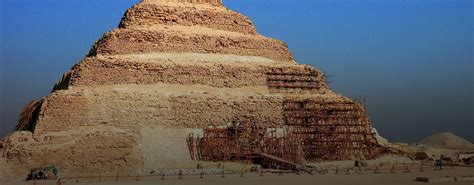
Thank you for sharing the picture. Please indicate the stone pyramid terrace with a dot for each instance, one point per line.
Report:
(181, 82)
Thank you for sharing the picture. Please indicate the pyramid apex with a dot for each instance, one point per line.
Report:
(216, 2)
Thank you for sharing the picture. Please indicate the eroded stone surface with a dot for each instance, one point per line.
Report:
(172, 68)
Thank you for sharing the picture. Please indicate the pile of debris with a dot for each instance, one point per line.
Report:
(469, 160)
(43, 173)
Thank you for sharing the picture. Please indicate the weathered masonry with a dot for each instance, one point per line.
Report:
(181, 82)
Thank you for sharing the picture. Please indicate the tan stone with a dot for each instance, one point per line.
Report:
(173, 67)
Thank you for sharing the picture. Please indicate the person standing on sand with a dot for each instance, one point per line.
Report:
(358, 164)
(439, 164)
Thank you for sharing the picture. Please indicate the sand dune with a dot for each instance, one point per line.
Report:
(446, 140)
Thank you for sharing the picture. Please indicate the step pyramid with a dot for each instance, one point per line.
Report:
(149, 93)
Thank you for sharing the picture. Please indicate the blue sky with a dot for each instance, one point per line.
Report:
(412, 60)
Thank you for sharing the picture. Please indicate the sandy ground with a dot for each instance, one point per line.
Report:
(367, 178)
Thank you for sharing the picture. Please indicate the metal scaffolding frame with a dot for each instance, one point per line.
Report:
(314, 129)
(293, 80)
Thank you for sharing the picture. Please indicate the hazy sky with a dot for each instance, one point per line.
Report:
(411, 59)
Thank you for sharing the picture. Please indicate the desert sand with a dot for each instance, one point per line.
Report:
(386, 178)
